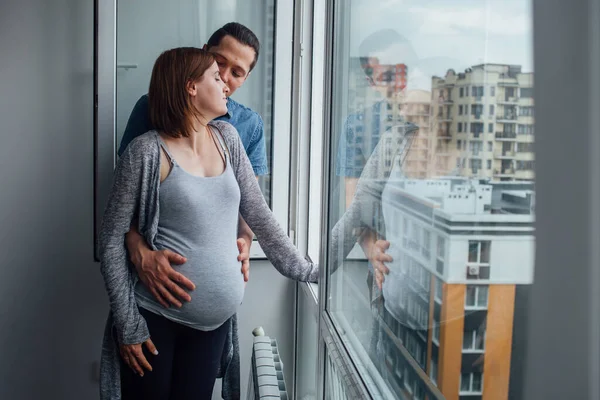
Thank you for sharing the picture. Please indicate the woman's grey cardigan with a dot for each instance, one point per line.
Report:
(135, 195)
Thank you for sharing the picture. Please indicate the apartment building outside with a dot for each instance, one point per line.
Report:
(463, 252)
(382, 104)
(485, 116)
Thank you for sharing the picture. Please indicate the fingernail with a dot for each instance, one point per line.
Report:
(155, 352)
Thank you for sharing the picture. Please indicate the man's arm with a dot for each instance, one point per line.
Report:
(156, 272)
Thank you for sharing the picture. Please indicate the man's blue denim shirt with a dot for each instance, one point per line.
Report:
(247, 122)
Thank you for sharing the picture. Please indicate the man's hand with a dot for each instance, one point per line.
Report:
(134, 357)
(156, 273)
(244, 257)
(378, 257)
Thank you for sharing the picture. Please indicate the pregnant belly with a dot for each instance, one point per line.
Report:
(217, 297)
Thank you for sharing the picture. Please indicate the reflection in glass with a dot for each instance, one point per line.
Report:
(432, 151)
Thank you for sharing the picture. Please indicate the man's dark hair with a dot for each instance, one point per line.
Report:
(240, 33)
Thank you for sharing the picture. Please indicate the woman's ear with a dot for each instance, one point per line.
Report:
(191, 88)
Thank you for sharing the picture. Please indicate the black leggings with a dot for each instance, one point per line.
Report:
(185, 367)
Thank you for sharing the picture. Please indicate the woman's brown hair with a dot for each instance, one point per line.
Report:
(171, 108)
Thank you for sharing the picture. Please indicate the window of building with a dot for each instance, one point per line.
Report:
(525, 165)
(460, 110)
(490, 146)
(439, 290)
(459, 127)
(525, 129)
(492, 90)
(527, 93)
(471, 383)
(476, 297)
(458, 142)
(425, 249)
(490, 128)
(479, 259)
(525, 147)
(474, 340)
(489, 164)
(526, 111)
(479, 251)
(436, 333)
(433, 371)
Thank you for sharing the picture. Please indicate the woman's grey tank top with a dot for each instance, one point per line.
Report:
(199, 220)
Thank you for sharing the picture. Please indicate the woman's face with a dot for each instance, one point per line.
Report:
(209, 94)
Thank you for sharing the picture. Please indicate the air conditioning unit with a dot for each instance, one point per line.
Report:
(473, 270)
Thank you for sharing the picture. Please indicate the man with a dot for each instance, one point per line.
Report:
(236, 49)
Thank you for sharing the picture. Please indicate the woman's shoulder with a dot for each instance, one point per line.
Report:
(143, 146)
(230, 134)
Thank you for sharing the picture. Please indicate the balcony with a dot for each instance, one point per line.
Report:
(509, 100)
(506, 136)
(504, 172)
(504, 155)
(507, 118)
(444, 134)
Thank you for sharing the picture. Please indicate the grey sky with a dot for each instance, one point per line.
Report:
(448, 33)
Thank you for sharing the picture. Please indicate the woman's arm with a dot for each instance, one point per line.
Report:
(118, 277)
(277, 246)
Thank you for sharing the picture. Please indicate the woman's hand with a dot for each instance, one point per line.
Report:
(134, 357)
(378, 257)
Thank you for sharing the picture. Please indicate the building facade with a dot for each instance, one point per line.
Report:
(485, 116)
(462, 250)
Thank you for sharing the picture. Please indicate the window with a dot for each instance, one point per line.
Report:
(439, 290)
(527, 93)
(525, 147)
(476, 297)
(425, 247)
(439, 220)
(526, 111)
(433, 371)
(479, 252)
(474, 341)
(525, 129)
(525, 165)
(471, 383)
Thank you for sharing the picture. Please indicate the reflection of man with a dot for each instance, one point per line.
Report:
(378, 88)
(236, 51)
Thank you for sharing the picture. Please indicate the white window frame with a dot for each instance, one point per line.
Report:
(476, 306)
(473, 349)
(470, 391)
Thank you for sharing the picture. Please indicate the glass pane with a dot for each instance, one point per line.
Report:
(473, 252)
(482, 296)
(449, 160)
(471, 293)
(485, 252)
(144, 30)
(307, 349)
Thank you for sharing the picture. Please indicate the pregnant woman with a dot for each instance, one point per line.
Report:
(183, 186)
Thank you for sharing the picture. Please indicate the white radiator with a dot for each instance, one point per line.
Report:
(266, 372)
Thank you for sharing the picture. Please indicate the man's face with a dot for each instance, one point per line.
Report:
(234, 60)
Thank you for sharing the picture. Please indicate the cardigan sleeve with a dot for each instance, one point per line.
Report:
(118, 274)
(276, 244)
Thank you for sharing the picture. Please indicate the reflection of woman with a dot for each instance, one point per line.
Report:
(184, 184)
